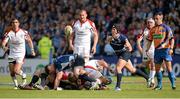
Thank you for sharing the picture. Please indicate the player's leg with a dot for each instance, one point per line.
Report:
(158, 62)
(34, 79)
(13, 76)
(168, 63)
(149, 62)
(57, 80)
(159, 76)
(152, 73)
(86, 53)
(119, 66)
(152, 66)
(18, 69)
(133, 70)
(170, 74)
(96, 75)
(83, 75)
(152, 69)
(40, 86)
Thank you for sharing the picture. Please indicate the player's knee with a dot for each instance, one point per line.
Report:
(133, 70)
(118, 69)
(16, 70)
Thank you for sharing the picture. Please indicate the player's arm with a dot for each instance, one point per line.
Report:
(30, 43)
(171, 46)
(57, 80)
(150, 40)
(128, 45)
(105, 65)
(95, 39)
(4, 42)
(139, 39)
(71, 37)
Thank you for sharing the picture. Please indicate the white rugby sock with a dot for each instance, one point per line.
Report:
(152, 74)
(14, 81)
(22, 74)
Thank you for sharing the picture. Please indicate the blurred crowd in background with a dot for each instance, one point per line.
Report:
(46, 19)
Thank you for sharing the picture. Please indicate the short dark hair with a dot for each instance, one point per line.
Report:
(116, 26)
(158, 13)
(14, 19)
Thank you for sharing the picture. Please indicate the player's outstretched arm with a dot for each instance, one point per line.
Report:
(30, 43)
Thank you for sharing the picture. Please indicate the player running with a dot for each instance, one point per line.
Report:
(123, 49)
(15, 39)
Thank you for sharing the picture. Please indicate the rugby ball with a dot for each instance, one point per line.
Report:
(68, 30)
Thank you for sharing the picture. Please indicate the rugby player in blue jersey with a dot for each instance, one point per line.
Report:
(122, 49)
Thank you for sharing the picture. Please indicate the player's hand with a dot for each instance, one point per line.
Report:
(170, 51)
(27, 37)
(33, 53)
(93, 50)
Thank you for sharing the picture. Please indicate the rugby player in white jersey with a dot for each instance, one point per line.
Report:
(93, 68)
(15, 39)
(83, 29)
(147, 60)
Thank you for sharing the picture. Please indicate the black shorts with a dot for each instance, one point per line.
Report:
(79, 61)
(126, 55)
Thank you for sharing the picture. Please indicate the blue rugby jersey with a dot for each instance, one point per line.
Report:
(118, 44)
(62, 62)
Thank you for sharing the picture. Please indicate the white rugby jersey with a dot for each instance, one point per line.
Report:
(92, 63)
(145, 36)
(16, 42)
(83, 32)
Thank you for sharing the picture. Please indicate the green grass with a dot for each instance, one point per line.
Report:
(132, 87)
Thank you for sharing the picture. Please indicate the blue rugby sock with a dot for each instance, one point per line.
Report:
(171, 78)
(159, 79)
(119, 77)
